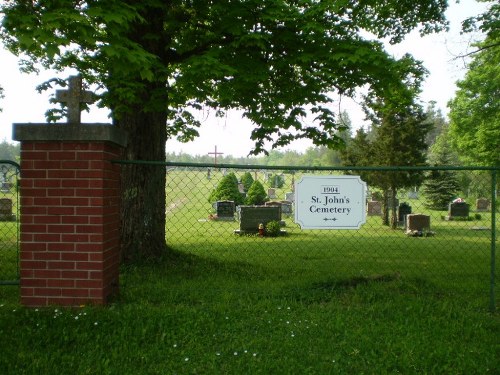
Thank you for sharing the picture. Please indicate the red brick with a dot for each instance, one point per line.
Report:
(55, 228)
(76, 201)
(33, 228)
(60, 265)
(88, 265)
(67, 192)
(46, 255)
(74, 292)
(61, 246)
(34, 155)
(64, 210)
(73, 183)
(25, 283)
(75, 219)
(46, 237)
(89, 284)
(44, 164)
(52, 201)
(62, 155)
(47, 146)
(47, 274)
(75, 256)
(33, 246)
(74, 274)
(47, 292)
(76, 146)
(46, 183)
(34, 192)
(75, 164)
(47, 219)
(75, 238)
(61, 174)
(61, 283)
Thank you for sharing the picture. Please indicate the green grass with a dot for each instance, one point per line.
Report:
(371, 301)
(189, 315)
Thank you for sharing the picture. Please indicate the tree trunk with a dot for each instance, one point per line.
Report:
(385, 208)
(143, 186)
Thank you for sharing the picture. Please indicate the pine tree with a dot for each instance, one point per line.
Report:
(227, 190)
(256, 194)
(441, 186)
(247, 180)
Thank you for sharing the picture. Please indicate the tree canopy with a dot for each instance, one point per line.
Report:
(280, 62)
(475, 110)
(275, 60)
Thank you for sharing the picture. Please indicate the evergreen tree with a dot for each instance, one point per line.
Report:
(256, 195)
(441, 186)
(247, 180)
(227, 190)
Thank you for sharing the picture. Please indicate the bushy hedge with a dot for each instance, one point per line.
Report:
(227, 190)
(256, 194)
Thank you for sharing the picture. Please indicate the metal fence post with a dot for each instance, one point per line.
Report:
(493, 237)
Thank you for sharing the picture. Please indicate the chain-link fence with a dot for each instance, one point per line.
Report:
(441, 231)
(9, 223)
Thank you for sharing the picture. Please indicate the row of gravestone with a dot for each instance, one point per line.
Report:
(455, 209)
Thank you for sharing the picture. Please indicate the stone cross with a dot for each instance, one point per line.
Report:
(74, 96)
(215, 153)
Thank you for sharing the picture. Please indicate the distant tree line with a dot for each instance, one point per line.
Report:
(9, 151)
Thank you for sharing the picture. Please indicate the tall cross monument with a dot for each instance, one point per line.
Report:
(74, 96)
(215, 154)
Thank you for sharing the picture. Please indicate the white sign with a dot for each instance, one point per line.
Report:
(330, 202)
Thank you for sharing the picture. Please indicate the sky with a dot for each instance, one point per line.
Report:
(231, 134)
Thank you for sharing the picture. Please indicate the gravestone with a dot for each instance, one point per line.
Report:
(418, 222)
(274, 203)
(251, 216)
(403, 210)
(6, 210)
(290, 196)
(458, 209)
(225, 210)
(483, 204)
(271, 193)
(286, 208)
(374, 208)
(413, 195)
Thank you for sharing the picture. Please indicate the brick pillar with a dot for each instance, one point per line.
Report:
(70, 213)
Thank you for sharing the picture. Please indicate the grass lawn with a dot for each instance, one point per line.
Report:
(371, 301)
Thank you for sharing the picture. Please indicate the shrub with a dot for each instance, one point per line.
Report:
(276, 181)
(273, 229)
(256, 194)
(247, 180)
(227, 190)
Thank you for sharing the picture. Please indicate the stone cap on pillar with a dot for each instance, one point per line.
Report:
(67, 132)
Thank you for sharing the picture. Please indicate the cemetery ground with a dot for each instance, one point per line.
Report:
(310, 302)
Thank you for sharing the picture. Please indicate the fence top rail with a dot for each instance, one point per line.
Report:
(11, 163)
(309, 168)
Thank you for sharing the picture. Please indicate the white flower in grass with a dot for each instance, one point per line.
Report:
(186, 359)
(235, 353)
